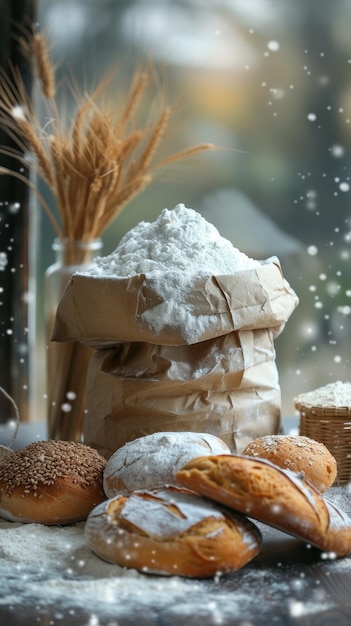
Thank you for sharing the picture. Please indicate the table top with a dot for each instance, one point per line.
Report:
(288, 583)
(51, 578)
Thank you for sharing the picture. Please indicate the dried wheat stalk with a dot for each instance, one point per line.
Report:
(96, 164)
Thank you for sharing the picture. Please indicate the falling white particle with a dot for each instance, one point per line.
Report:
(328, 556)
(66, 407)
(273, 45)
(3, 260)
(311, 117)
(312, 250)
(344, 187)
(14, 207)
(337, 151)
(333, 288)
(71, 395)
(276, 509)
(18, 112)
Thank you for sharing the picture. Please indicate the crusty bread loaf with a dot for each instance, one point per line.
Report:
(171, 531)
(278, 497)
(299, 454)
(153, 460)
(51, 482)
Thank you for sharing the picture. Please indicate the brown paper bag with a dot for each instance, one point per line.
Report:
(221, 378)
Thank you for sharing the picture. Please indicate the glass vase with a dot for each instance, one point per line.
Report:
(66, 362)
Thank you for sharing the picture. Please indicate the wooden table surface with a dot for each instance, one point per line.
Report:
(287, 584)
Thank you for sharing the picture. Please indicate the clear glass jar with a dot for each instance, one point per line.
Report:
(66, 362)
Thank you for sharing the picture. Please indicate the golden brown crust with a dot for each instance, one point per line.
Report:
(171, 531)
(298, 454)
(274, 496)
(51, 482)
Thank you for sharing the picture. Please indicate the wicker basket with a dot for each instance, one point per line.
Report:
(331, 426)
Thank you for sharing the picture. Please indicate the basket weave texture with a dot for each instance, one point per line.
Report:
(330, 425)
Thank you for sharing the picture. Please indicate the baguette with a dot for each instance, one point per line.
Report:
(281, 498)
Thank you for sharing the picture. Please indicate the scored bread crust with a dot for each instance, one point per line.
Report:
(280, 498)
(298, 454)
(171, 531)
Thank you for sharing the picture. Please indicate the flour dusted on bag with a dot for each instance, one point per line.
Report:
(173, 251)
(183, 326)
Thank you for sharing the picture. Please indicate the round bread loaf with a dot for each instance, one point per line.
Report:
(280, 498)
(153, 460)
(171, 531)
(51, 482)
(299, 454)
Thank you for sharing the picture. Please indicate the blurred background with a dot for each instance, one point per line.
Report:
(268, 82)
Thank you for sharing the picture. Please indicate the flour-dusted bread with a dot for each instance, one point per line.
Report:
(153, 460)
(299, 454)
(278, 497)
(51, 482)
(171, 531)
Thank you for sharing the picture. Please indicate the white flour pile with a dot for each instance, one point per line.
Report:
(337, 394)
(173, 251)
(181, 243)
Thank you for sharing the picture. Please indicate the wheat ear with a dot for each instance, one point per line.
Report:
(183, 154)
(44, 66)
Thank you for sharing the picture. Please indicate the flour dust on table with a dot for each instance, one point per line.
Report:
(50, 571)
